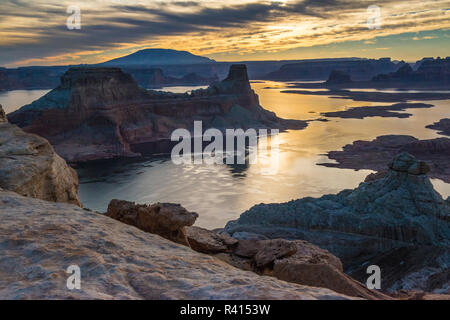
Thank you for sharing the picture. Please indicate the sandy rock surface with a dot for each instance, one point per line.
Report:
(30, 166)
(39, 240)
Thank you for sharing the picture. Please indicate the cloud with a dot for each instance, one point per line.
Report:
(35, 31)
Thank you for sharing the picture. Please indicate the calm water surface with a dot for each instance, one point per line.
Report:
(13, 100)
(220, 193)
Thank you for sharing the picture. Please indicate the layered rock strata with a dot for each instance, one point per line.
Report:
(376, 154)
(398, 210)
(30, 166)
(101, 113)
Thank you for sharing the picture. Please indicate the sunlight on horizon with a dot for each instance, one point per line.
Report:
(34, 32)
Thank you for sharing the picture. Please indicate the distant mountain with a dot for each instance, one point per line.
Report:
(358, 69)
(429, 71)
(158, 57)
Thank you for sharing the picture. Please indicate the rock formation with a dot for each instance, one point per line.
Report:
(430, 70)
(155, 78)
(378, 111)
(338, 77)
(157, 57)
(165, 219)
(29, 166)
(375, 155)
(206, 241)
(101, 113)
(2, 115)
(320, 69)
(442, 125)
(299, 262)
(401, 209)
(292, 261)
(41, 239)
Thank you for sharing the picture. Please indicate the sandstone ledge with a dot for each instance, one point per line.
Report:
(30, 166)
(40, 239)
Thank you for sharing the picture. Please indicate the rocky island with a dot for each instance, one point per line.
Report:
(42, 233)
(375, 155)
(443, 126)
(101, 113)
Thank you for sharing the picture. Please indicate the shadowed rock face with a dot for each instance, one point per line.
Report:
(375, 154)
(41, 239)
(430, 70)
(442, 125)
(293, 261)
(101, 113)
(400, 209)
(29, 166)
(2, 115)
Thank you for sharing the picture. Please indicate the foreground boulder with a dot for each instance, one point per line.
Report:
(293, 261)
(298, 262)
(165, 219)
(399, 209)
(2, 115)
(41, 239)
(29, 166)
(206, 241)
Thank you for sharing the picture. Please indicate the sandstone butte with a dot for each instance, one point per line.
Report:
(101, 113)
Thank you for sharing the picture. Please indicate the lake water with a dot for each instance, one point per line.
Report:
(220, 193)
(13, 100)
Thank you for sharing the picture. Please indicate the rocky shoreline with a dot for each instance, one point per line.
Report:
(375, 154)
(374, 96)
(443, 126)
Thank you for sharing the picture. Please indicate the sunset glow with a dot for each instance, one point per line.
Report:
(35, 32)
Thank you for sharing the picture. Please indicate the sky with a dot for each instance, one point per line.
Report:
(36, 32)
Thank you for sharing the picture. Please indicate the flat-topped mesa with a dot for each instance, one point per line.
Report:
(2, 115)
(86, 76)
(101, 113)
(103, 85)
